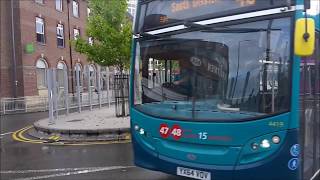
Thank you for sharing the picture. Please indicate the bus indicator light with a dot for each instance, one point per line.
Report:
(254, 146)
(164, 131)
(136, 127)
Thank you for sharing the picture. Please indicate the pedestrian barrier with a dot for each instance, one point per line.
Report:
(121, 94)
(93, 87)
(40, 103)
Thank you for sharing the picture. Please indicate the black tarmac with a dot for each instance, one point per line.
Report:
(31, 161)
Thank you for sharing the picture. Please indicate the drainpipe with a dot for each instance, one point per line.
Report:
(70, 48)
(14, 62)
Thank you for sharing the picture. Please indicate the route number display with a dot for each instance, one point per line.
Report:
(175, 131)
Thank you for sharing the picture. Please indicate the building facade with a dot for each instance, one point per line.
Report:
(35, 36)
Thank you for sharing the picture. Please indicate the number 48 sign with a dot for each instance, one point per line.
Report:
(175, 131)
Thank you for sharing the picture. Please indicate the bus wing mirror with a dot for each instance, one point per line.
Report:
(304, 37)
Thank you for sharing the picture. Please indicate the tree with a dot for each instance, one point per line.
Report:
(110, 27)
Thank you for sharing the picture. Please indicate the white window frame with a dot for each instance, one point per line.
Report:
(88, 12)
(40, 22)
(39, 1)
(76, 33)
(75, 8)
(60, 33)
(59, 5)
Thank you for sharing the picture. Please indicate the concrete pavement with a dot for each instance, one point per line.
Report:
(96, 125)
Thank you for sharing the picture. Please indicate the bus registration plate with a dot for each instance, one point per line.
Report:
(192, 173)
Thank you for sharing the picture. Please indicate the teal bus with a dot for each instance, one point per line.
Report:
(227, 89)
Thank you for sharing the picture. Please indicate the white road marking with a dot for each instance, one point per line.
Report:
(315, 175)
(6, 133)
(72, 171)
(47, 170)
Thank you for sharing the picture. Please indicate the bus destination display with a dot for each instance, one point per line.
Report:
(161, 13)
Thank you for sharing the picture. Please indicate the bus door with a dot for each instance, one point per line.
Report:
(310, 114)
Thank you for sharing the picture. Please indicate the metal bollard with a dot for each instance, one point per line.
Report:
(66, 90)
(50, 96)
(78, 87)
(89, 87)
(99, 85)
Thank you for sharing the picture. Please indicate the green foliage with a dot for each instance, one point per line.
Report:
(110, 28)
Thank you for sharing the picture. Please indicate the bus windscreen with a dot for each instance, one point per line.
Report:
(221, 73)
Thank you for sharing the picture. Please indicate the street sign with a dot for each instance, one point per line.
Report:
(29, 48)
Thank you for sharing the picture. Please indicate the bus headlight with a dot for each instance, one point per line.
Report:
(141, 131)
(265, 143)
(261, 147)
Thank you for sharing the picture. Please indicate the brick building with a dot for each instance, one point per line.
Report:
(35, 35)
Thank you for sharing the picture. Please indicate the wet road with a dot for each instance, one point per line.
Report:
(26, 161)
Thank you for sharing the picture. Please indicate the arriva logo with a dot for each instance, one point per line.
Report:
(195, 61)
(191, 157)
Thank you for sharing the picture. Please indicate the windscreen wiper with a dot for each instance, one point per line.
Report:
(209, 28)
(190, 24)
(147, 35)
(237, 30)
(226, 107)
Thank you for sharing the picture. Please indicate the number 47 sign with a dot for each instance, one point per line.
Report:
(175, 131)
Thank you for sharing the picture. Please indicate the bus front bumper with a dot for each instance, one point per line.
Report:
(277, 167)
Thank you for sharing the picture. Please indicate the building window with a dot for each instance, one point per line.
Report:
(78, 68)
(76, 34)
(75, 8)
(41, 70)
(59, 5)
(39, 1)
(90, 41)
(40, 30)
(60, 35)
(61, 66)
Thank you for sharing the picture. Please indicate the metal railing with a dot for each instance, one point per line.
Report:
(40, 103)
